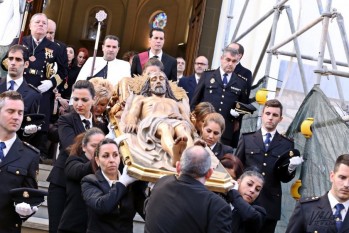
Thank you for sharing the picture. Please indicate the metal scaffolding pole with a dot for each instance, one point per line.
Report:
(238, 24)
(327, 72)
(340, 22)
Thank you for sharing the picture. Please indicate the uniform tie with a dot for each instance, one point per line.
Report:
(267, 141)
(156, 56)
(2, 146)
(87, 124)
(337, 215)
(12, 85)
(225, 79)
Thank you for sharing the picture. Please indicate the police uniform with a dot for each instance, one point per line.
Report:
(252, 153)
(211, 89)
(18, 169)
(314, 214)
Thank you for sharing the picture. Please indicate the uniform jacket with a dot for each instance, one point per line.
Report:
(185, 205)
(117, 69)
(315, 215)
(241, 70)
(189, 84)
(111, 209)
(251, 152)
(74, 218)
(246, 218)
(18, 169)
(220, 150)
(31, 96)
(211, 89)
(170, 65)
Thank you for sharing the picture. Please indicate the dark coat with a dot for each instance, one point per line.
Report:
(185, 205)
(211, 89)
(74, 217)
(246, 218)
(251, 152)
(111, 209)
(314, 214)
(220, 150)
(241, 70)
(189, 84)
(18, 169)
(170, 66)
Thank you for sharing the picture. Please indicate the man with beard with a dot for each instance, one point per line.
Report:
(164, 120)
(262, 149)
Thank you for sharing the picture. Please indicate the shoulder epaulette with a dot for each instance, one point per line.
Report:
(35, 88)
(248, 133)
(308, 199)
(240, 76)
(31, 147)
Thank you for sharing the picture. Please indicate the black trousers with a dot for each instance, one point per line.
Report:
(55, 204)
(268, 226)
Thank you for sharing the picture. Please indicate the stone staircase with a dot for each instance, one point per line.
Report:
(38, 223)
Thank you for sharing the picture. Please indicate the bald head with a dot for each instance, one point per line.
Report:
(51, 30)
(200, 65)
(195, 162)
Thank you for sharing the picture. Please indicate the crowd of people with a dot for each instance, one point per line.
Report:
(57, 94)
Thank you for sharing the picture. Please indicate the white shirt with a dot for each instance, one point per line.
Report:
(222, 73)
(264, 133)
(110, 182)
(333, 202)
(152, 55)
(18, 82)
(89, 119)
(197, 78)
(9, 144)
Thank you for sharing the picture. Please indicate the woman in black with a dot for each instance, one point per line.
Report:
(78, 165)
(112, 199)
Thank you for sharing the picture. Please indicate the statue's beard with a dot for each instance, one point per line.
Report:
(158, 90)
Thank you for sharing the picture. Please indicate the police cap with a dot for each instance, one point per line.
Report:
(284, 159)
(33, 197)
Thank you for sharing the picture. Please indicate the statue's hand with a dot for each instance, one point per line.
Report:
(130, 128)
(200, 142)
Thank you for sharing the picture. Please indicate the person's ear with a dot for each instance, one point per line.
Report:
(178, 167)
(209, 173)
(26, 64)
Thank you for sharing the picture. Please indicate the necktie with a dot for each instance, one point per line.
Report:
(12, 85)
(105, 71)
(225, 79)
(2, 146)
(156, 56)
(267, 141)
(86, 123)
(337, 215)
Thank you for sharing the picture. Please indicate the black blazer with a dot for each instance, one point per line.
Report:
(111, 209)
(18, 169)
(314, 214)
(170, 66)
(246, 218)
(220, 150)
(74, 217)
(185, 205)
(211, 89)
(241, 70)
(189, 84)
(251, 152)
(30, 95)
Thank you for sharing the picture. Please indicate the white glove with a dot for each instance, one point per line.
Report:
(24, 209)
(294, 163)
(45, 86)
(234, 113)
(125, 179)
(119, 139)
(31, 129)
(235, 185)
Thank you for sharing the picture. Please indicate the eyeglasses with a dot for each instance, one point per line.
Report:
(201, 64)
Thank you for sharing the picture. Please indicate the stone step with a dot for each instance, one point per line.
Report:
(44, 171)
(35, 225)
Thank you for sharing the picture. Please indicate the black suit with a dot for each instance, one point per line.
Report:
(111, 209)
(315, 214)
(18, 169)
(189, 84)
(185, 205)
(211, 89)
(170, 66)
(69, 126)
(74, 217)
(252, 153)
(220, 150)
(246, 218)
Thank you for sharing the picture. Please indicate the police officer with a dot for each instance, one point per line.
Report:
(262, 149)
(222, 88)
(328, 213)
(19, 163)
(44, 57)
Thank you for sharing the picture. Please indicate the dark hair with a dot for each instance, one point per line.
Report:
(84, 84)
(233, 162)
(85, 51)
(241, 49)
(104, 142)
(82, 140)
(195, 162)
(232, 51)
(154, 62)
(155, 29)
(127, 55)
(342, 159)
(24, 50)
(252, 173)
(112, 37)
(146, 90)
(74, 61)
(273, 103)
(11, 95)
